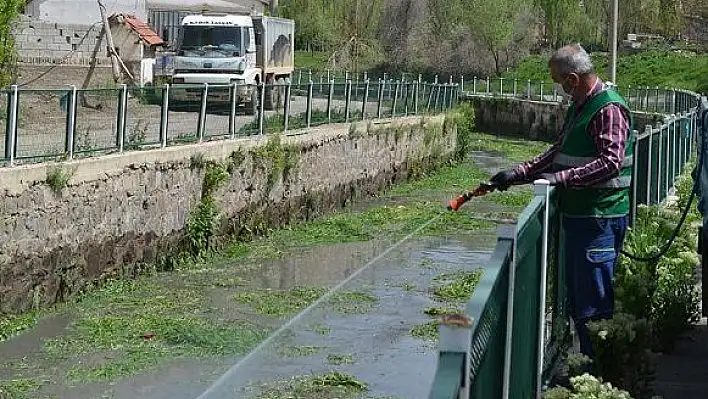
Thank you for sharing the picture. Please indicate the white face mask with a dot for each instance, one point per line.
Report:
(561, 91)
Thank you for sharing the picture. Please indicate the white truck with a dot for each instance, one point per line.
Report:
(233, 49)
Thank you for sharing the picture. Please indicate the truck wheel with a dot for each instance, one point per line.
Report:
(280, 93)
(270, 97)
(252, 106)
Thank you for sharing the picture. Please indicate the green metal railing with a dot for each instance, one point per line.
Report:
(516, 324)
(59, 125)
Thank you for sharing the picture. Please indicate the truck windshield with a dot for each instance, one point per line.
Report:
(226, 40)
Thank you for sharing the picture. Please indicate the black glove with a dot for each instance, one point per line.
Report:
(502, 180)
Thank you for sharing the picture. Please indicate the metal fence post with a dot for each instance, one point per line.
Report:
(348, 102)
(286, 105)
(233, 88)
(330, 97)
(474, 85)
(122, 112)
(380, 99)
(515, 87)
(202, 113)
(455, 332)
(501, 87)
(528, 88)
(542, 189)
(462, 82)
(540, 91)
(367, 85)
(12, 125)
(635, 174)
(416, 88)
(508, 231)
(71, 123)
(659, 162)
(395, 99)
(261, 109)
(164, 115)
(310, 86)
(489, 85)
(650, 131)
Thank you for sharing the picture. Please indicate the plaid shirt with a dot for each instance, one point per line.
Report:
(609, 130)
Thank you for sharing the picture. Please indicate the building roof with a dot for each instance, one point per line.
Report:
(140, 28)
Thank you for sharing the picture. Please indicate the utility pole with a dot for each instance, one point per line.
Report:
(613, 41)
(274, 8)
(109, 39)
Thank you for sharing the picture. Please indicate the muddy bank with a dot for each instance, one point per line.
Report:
(68, 225)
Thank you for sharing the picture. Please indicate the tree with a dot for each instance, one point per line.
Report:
(493, 24)
(9, 12)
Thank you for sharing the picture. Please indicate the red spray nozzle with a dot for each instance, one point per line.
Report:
(482, 189)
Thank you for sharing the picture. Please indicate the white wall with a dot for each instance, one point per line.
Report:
(82, 12)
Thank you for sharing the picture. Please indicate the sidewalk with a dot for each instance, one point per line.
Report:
(684, 373)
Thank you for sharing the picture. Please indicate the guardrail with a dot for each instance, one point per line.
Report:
(640, 98)
(57, 125)
(504, 346)
(702, 176)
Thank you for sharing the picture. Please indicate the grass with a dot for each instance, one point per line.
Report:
(650, 68)
(12, 325)
(456, 286)
(333, 385)
(314, 60)
(299, 351)
(451, 288)
(353, 302)
(281, 303)
(19, 388)
(338, 360)
(131, 326)
(426, 331)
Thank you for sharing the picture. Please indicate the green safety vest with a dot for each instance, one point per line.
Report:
(606, 199)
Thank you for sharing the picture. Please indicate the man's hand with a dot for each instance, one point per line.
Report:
(503, 179)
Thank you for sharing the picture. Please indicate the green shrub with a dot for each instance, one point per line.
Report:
(622, 352)
(661, 291)
(587, 387)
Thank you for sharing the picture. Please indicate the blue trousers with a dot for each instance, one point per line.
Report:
(592, 246)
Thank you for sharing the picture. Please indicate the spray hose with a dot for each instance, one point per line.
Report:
(485, 188)
(675, 233)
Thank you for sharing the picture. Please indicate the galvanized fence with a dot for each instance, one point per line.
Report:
(56, 125)
(640, 98)
(504, 345)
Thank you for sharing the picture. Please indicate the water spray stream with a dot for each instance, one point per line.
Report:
(229, 374)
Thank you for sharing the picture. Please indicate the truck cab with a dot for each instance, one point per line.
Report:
(225, 50)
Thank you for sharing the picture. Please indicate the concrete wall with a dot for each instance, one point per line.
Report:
(84, 12)
(533, 119)
(120, 211)
(40, 42)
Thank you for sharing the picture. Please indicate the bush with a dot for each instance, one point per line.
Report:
(661, 291)
(587, 387)
(622, 352)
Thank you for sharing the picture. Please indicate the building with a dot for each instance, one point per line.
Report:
(86, 12)
(136, 43)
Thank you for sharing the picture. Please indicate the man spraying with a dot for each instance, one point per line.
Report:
(591, 164)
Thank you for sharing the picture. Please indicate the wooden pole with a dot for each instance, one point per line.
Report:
(109, 38)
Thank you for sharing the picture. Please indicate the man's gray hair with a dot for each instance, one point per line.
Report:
(572, 59)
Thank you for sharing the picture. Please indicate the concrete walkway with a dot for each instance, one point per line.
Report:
(683, 374)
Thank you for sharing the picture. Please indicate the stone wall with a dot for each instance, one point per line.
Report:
(120, 211)
(532, 119)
